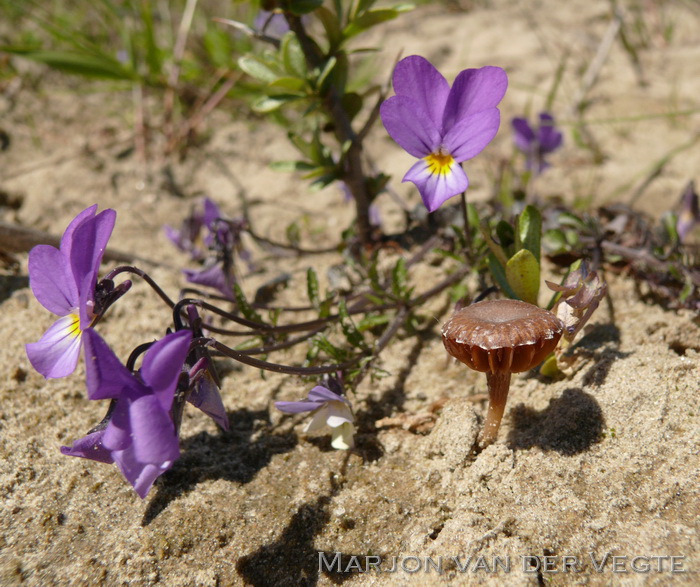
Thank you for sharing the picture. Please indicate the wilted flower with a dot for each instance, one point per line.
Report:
(188, 238)
(537, 143)
(581, 293)
(328, 409)
(203, 379)
(63, 281)
(442, 126)
(213, 240)
(689, 216)
(138, 434)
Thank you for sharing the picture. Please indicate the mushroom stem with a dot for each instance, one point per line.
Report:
(499, 384)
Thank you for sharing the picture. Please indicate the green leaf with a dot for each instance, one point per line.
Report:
(326, 72)
(218, 46)
(369, 322)
(312, 288)
(85, 64)
(530, 230)
(305, 148)
(363, 6)
(352, 334)
(293, 233)
(254, 67)
(293, 56)
(505, 234)
(352, 104)
(399, 278)
(301, 7)
(326, 306)
(244, 307)
(523, 276)
(290, 84)
(472, 217)
(687, 290)
(499, 276)
(372, 18)
(326, 346)
(550, 368)
(568, 219)
(554, 241)
(289, 166)
(331, 24)
(271, 103)
(153, 53)
(499, 254)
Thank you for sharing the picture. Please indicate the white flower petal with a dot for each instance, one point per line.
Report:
(342, 437)
(318, 420)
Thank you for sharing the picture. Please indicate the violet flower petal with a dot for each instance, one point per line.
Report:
(689, 215)
(549, 138)
(436, 188)
(207, 398)
(106, 377)
(211, 212)
(88, 246)
(67, 238)
(474, 90)
(322, 394)
(523, 135)
(118, 433)
(212, 276)
(140, 475)
(57, 351)
(297, 407)
(89, 447)
(471, 134)
(51, 280)
(154, 439)
(409, 125)
(415, 77)
(163, 363)
(175, 237)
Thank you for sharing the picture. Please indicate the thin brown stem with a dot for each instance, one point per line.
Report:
(499, 384)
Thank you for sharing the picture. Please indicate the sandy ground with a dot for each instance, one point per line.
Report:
(599, 465)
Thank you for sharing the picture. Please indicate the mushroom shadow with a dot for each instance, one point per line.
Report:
(231, 455)
(569, 425)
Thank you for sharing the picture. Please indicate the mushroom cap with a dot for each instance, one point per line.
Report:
(500, 336)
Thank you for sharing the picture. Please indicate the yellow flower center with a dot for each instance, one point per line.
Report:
(439, 163)
(74, 326)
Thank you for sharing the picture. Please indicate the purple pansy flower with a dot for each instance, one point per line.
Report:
(212, 275)
(63, 281)
(328, 409)
(215, 249)
(537, 143)
(140, 435)
(272, 24)
(442, 126)
(187, 238)
(689, 216)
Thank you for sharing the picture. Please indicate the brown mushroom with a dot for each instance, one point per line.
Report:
(500, 337)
